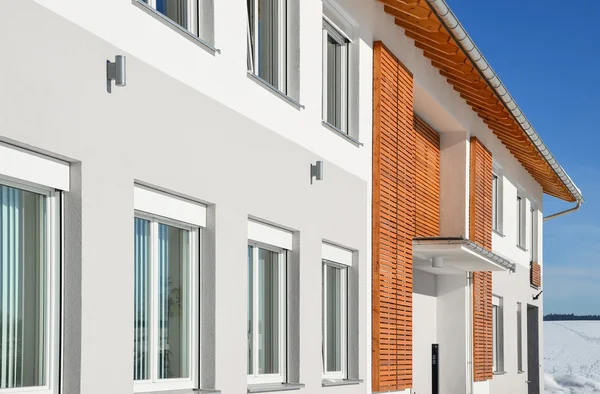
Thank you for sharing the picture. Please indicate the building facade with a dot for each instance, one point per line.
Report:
(262, 196)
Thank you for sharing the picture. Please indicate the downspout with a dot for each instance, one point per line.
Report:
(562, 213)
(469, 333)
(449, 20)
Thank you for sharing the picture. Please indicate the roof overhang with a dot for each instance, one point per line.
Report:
(436, 30)
(442, 255)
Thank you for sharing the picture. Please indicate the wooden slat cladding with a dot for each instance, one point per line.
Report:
(482, 326)
(422, 25)
(480, 196)
(480, 231)
(393, 221)
(536, 274)
(427, 166)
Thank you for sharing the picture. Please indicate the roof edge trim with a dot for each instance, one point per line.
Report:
(464, 41)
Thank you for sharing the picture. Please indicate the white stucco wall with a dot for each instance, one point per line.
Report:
(424, 328)
(162, 132)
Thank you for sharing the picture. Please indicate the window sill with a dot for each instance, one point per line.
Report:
(522, 248)
(186, 391)
(193, 38)
(520, 372)
(341, 133)
(499, 372)
(534, 287)
(340, 382)
(266, 388)
(273, 89)
(498, 233)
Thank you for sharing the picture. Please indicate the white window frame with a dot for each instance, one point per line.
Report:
(495, 202)
(193, 15)
(282, 32)
(497, 334)
(280, 377)
(53, 262)
(331, 30)
(521, 220)
(533, 233)
(519, 337)
(343, 374)
(155, 203)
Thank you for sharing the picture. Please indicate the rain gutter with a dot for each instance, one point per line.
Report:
(449, 20)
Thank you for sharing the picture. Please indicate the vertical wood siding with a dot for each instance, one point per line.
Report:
(480, 231)
(393, 221)
(427, 164)
(536, 274)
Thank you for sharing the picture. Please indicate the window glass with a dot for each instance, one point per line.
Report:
(250, 309)
(495, 202)
(266, 316)
(176, 10)
(173, 262)
(334, 324)
(142, 299)
(519, 338)
(495, 337)
(23, 288)
(335, 78)
(520, 220)
(266, 41)
(163, 325)
(268, 312)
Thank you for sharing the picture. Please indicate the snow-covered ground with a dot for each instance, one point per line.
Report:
(572, 357)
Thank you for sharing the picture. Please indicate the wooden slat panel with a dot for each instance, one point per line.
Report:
(536, 274)
(394, 210)
(480, 231)
(427, 163)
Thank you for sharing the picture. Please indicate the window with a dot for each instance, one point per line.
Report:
(28, 288)
(30, 245)
(267, 303)
(166, 265)
(266, 315)
(185, 13)
(336, 264)
(519, 338)
(497, 335)
(520, 221)
(335, 324)
(533, 235)
(267, 36)
(335, 77)
(495, 202)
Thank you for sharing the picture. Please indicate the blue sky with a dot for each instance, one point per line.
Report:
(548, 55)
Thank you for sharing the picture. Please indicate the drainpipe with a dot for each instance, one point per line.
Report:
(562, 213)
(469, 333)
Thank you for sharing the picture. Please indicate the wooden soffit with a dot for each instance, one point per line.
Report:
(422, 25)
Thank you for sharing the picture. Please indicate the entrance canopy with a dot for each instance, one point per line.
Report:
(453, 255)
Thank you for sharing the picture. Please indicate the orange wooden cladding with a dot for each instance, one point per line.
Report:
(480, 231)
(536, 274)
(422, 25)
(427, 164)
(393, 221)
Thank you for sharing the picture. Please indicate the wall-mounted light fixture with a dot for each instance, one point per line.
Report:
(437, 262)
(316, 171)
(116, 71)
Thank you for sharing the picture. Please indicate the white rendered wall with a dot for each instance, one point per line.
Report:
(424, 328)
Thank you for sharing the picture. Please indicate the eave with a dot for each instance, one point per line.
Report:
(438, 33)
